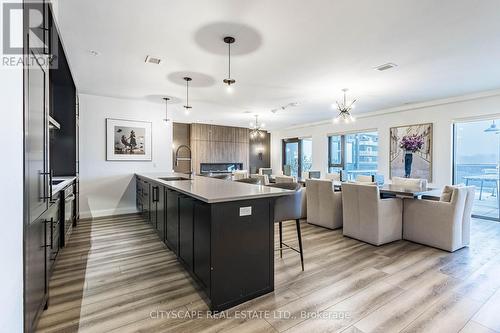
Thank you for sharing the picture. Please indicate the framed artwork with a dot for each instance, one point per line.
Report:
(128, 140)
(411, 151)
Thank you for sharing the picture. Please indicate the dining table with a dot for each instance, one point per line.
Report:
(402, 191)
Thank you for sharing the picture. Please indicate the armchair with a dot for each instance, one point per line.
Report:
(442, 224)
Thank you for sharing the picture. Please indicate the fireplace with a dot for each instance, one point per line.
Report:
(219, 168)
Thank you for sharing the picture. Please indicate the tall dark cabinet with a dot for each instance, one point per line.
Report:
(49, 94)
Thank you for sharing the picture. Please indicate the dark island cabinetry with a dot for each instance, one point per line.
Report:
(226, 246)
(172, 220)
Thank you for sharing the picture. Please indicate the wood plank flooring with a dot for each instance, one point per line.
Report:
(116, 276)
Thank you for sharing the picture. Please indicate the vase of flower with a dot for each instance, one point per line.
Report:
(408, 163)
(410, 144)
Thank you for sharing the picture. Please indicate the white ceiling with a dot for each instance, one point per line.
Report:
(285, 51)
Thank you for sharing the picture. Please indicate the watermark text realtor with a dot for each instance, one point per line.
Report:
(42, 47)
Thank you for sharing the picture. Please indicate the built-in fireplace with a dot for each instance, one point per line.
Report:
(219, 168)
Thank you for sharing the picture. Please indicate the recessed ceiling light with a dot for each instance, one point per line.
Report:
(152, 60)
(385, 67)
(94, 53)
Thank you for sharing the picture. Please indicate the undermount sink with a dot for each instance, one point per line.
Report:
(174, 178)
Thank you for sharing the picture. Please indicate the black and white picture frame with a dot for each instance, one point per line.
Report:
(128, 140)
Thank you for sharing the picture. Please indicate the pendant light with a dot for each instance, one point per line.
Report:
(187, 106)
(166, 99)
(344, 110)
(229, 81)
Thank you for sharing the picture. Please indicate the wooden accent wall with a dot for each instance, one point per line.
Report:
(219, 144)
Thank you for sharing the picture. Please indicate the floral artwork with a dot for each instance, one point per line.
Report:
(411, 151)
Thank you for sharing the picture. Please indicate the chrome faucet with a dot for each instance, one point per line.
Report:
(177, 158)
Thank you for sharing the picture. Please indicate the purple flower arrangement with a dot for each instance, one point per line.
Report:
(412, 142)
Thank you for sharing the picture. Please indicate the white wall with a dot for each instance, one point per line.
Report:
(441, 113)
(108, 187)
(11, 195)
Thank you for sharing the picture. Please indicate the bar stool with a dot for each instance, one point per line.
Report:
(289, 207)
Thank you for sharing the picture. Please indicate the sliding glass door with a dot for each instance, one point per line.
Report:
(297, 156)
(476, 162)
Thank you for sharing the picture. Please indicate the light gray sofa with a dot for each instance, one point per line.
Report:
(368, 218)
(443, 224)
(324, 205)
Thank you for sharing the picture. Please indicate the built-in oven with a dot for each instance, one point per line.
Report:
(69, 212)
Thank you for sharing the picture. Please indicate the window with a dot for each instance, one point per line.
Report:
(297, 156)
(356, 154)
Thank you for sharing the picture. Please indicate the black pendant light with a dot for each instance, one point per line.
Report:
(229, 81)
(166, 99)
(187, 106)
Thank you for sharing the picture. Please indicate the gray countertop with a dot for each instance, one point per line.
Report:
(65, 182)
(212, 190)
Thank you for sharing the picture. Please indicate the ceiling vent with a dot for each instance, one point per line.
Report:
(385, 67)
(152, 60)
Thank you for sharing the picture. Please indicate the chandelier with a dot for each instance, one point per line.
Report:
(344, 110)
(257, 129)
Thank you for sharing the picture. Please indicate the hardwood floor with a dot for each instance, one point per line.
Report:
(116, 276)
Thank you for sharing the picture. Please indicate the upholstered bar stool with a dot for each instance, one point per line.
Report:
(289, 207)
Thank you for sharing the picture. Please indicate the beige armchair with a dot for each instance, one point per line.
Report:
(265, 171)
(324, 205)
(333, 176)
(240, 174)
(285, 179)
(417, 182)
(364, 179)
(263, 179)
(444, 224)
(368, 218)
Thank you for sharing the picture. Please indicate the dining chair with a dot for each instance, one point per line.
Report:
(285, 179)
(263, 179)
(265, 171)
(444, 224)
(289, 207)
(255, 181)
(324, 204)
(364, 179)
(369, 218)
(417, 182)
(333, 176)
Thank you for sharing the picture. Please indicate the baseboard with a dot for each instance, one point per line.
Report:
(89, 215)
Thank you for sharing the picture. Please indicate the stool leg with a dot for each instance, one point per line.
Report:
(281, 239)
(299, 235)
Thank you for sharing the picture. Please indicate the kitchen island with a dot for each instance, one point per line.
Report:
(221, 231)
